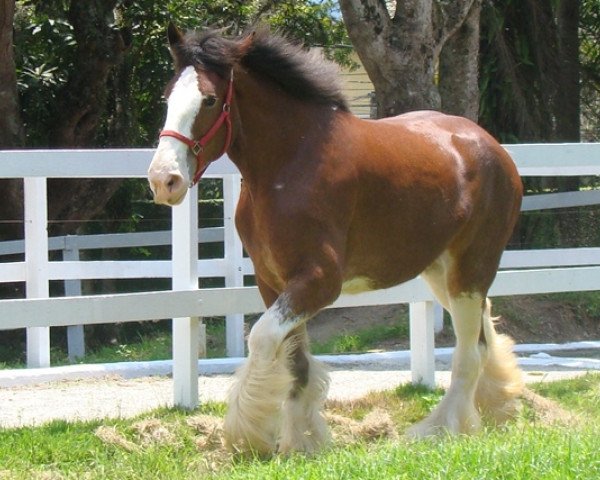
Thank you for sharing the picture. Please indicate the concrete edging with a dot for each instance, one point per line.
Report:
(538, 357)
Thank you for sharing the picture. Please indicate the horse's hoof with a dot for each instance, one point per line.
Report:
(439, 425)
(241, 437)
(307, 443)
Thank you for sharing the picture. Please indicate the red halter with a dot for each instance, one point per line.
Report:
(197, 146)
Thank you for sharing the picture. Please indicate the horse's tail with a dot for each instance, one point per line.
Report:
(501, 381)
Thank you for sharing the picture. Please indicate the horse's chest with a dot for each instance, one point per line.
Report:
(254, 233)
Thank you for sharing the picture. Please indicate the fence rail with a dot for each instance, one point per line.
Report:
(524, 272)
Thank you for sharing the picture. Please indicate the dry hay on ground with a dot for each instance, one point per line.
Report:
(153, 431)
(376, 424)
(111, 436)
(210, 429)
(549, 412)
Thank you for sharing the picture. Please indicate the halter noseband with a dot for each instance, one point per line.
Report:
(197, 146)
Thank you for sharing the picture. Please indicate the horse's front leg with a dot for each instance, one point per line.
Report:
(263, 382)
(303, 427)
(266, 380)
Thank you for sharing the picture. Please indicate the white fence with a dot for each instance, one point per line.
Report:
(523, 272)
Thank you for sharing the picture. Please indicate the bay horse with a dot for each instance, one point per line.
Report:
(331, 203)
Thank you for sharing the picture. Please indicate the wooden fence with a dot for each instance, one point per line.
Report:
(523, 272)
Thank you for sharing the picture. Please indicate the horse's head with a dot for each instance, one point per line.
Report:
(198, 129)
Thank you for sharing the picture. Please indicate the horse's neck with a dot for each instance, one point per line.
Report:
(270, 127)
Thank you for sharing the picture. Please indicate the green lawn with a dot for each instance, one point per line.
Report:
(171, 444)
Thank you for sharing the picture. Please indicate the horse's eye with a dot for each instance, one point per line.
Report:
(209, 101)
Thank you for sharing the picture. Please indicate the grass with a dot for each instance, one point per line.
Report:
(172, 444)
(361, 340)
(147, 347)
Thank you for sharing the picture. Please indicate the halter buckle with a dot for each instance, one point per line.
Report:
(196, 148)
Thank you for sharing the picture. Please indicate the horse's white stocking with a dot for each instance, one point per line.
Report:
(263, 383)
(456, 413)
(303, 426)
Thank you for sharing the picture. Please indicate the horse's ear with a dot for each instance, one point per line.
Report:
(246, 43)
(174, 35)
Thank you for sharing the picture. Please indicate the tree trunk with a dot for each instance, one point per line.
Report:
(400, 52)
(568, 110)
(459, 68)
(100, 48)
(11, 126)
(567, 102)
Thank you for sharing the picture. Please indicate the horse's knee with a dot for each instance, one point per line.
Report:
(270, 330)
(263, 340)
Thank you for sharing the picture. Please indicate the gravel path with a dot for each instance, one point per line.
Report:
(117, 397)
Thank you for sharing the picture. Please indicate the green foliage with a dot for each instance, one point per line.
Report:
(589, 35)
(44, 54)
(562, 228)
(45, 49)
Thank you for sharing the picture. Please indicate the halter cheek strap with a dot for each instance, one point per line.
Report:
(197, 146)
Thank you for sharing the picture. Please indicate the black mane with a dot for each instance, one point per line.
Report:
(304, 74)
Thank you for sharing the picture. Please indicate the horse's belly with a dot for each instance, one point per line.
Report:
(378, 280)
(357, 285)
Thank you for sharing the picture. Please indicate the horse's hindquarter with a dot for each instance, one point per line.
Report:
(427, 183)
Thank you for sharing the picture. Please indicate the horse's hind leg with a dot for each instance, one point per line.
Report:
(485, 376)
(456, 413)
(303, 426)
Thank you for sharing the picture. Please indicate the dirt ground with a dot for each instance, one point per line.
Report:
(527, 319)
(115, 397)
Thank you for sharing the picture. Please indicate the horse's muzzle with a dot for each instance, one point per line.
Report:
(168, 188)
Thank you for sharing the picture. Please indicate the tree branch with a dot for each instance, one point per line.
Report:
(368, 23)
(368, 19)
(458, 68)
(449, 16)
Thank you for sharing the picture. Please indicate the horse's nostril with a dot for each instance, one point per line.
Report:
(173, 182)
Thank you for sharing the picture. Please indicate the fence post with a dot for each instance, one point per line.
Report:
(422, 345)
(75, 333)
(234, 276)
(36, 264)
(186, 330)
(438, 313)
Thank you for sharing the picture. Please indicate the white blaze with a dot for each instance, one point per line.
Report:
(184, 103)
(183, 106)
